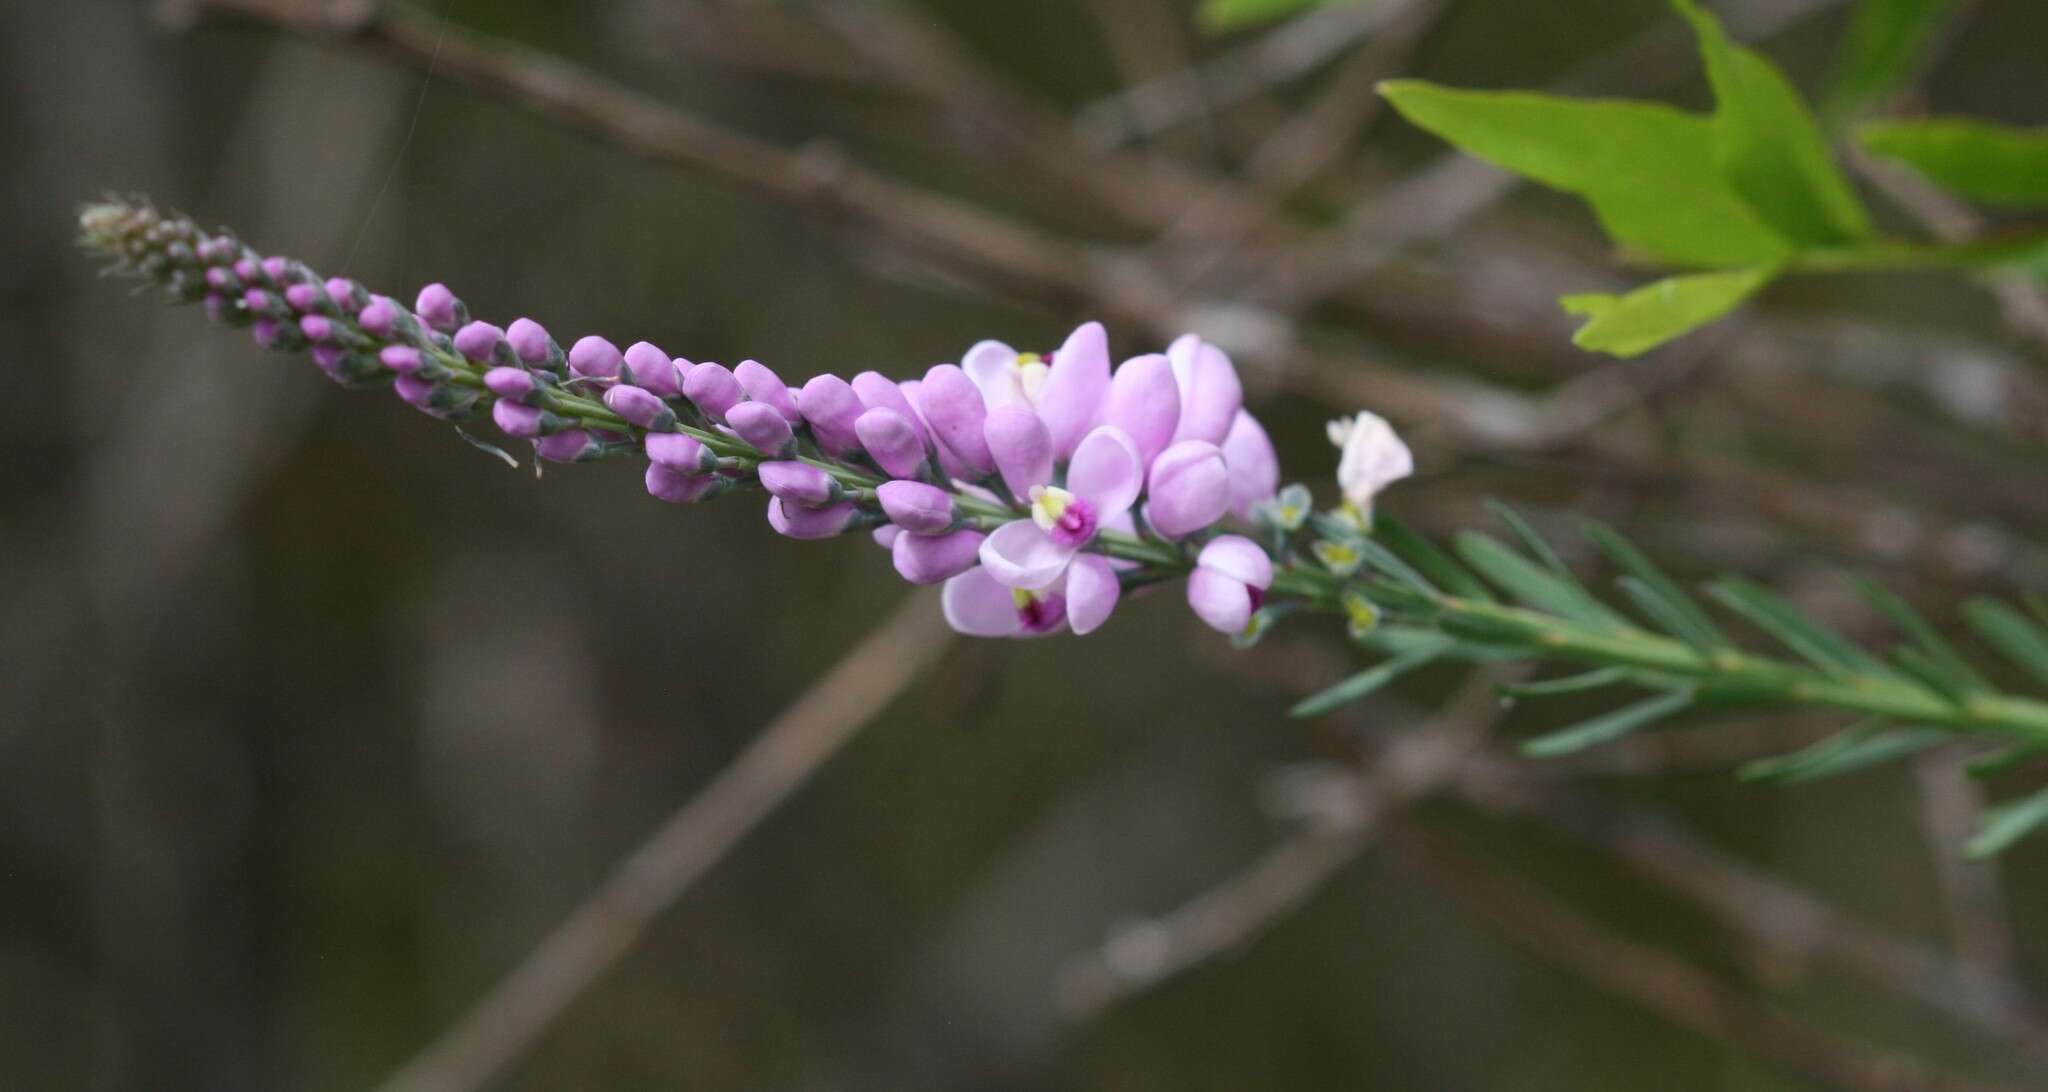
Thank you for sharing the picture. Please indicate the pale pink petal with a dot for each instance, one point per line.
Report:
(1210, 392)
(992, 366)
(1225, 604)
(1189, 489)
(1092, 591)
(1238, 558)
(1107, 472)
(1019, 555)
(1254, 467)
(1144, 401)
(974, 604)
(1021, 447)
(1075, 388)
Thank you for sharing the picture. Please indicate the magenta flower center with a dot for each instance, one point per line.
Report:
(1039, 612)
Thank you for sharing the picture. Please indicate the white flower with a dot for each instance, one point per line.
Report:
(1373, 459)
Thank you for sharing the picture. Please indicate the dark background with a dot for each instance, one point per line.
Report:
(313, 720)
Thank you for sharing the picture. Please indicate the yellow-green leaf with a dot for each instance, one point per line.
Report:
(1647, 169)
(1997, 164)
(1655, 313)
(1768, 146)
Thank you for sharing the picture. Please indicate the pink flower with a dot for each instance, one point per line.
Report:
(1210, 394)
(1066, 389)
(977, 605)
(1102, 483)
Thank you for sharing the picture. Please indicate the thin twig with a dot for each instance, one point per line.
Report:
(505, 1022)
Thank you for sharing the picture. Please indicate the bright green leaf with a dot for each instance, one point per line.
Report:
(1997, 164)
(1657, 312)
(1768, 146)
(1647, 169)
(2007, 823)
(1608, 726)
(1886, 42)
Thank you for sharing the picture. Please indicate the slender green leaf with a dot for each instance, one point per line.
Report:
(2007, 823)
(1663, 614)
(1997, 164)
(1887, 41)
(1956, 675)
(1682, 615)
(2008, 631)
(1608, 726)
(1768, 146)
(1864, 745)
(1442, 570)
(1532, 583)
(1647, 169)
(1824, 648)
(2009, 758)
(1390, 563)
(1633, 324)
(1569, 684)
(1536, 544)
(1361, 684)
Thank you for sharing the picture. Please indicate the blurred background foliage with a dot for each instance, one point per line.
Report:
(313, 720)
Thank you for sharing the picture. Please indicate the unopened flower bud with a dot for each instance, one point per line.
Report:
(713, 389)
(917, 507)
(893, 440)
(316, 327)
(1021, 447)
(480, 342)
(799, 483)
(512, 384)
(305, 297)
(531, 344)
(928, 559)
(681, 453)
(569, 446)
(646, 366)
(595, 358)
(878, 391)
(665, 483)
(831, 406)
(347, 296)
(640, 407)
(1144, 401)
(517, 419)
(954, 409)
(438, 308)
(761, 384)
(380, 317)
(799, 522)
(403, 359)
(279, 270)
(762, 426)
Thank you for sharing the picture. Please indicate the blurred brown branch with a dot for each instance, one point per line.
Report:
(505, 1022)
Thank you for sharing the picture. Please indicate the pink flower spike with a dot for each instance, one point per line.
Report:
(1021, 447)
(954, 409)
(1210, 393)
(713, 388)
(595, 358)
(764, 386)
(1254, 466)
(1189, 488)
(1076, 388)
(799, 522)
(928, 559)
(918, 508)
(665, 483)
(647, 367)
(1144, 401)
(833, 409)
(1230, 579)
(893, 440)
